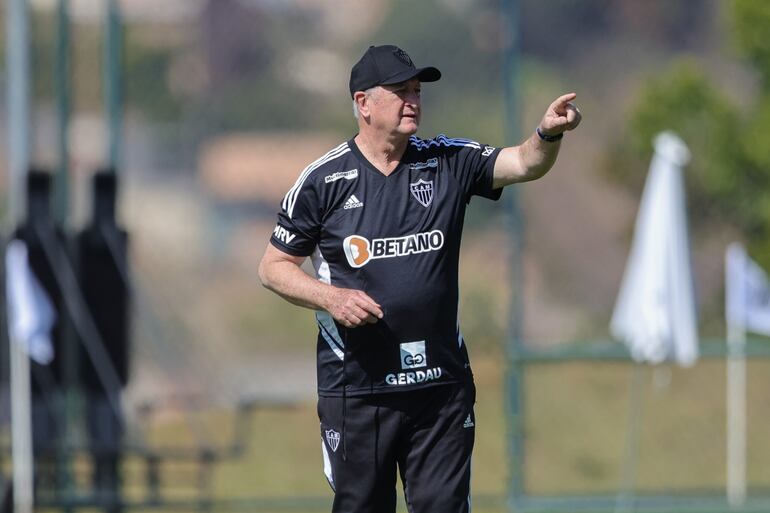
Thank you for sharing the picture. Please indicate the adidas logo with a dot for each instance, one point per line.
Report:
(468, 422)
(352, 202)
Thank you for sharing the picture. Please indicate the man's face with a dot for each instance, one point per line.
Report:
(396, 108)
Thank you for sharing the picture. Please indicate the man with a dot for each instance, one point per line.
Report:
(381, 216)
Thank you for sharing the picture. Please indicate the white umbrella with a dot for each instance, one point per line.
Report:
(655, 309)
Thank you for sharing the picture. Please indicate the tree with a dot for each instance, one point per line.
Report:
(729, 177)
(751, 23)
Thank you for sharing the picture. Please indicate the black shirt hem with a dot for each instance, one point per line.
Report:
(384, 389)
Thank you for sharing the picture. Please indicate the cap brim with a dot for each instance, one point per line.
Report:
(427, 74)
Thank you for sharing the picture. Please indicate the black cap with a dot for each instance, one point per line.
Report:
(387, 64)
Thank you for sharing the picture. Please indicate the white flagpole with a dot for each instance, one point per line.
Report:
(17, 55)
(735, 284)
(736, 416)
(21, 429)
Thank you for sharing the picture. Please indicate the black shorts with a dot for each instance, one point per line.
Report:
(426, 434)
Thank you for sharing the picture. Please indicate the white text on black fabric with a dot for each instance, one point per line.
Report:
(360, 250)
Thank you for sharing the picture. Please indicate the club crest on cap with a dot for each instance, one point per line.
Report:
(403, 57)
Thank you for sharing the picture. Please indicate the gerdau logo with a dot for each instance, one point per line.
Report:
(360, 250)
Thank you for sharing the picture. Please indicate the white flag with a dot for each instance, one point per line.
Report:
(747, 288)
(655, 310)
(30, 313)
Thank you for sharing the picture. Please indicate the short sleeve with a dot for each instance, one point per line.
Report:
(473, 165)
(299, 221)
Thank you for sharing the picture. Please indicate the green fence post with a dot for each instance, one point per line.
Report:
(68, 411)
(112, 80)
(514, 384)
(63, 103)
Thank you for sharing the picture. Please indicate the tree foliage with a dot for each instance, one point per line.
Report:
(682, 100)
(729, 176)
(751, 25)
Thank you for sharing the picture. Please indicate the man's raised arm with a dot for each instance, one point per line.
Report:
(534, 157)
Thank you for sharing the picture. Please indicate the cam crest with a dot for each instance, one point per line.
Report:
(333, 439)
(422, 191)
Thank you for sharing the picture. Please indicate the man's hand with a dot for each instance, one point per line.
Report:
(353, 308)
(281, 273)
(561, 115)
(534, 157)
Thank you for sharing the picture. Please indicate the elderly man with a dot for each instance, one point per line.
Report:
(381, 217)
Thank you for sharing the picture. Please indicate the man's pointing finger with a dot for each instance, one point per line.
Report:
(561, 101)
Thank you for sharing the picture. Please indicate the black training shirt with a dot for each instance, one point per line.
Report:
(397, 238)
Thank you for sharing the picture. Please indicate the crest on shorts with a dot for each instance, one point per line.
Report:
(333, 439)
(422, 191)
(403, 57)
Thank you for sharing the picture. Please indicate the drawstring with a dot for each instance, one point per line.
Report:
(344, 395)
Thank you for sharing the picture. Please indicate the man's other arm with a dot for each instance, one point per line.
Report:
(281, 273)
(534, 157)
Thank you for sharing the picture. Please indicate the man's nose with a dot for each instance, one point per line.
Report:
(413, 98)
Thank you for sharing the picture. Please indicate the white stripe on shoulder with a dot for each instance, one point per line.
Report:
(309, 168)
(291, 196)
(442, 140)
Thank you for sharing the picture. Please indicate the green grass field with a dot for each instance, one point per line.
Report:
(575, 436)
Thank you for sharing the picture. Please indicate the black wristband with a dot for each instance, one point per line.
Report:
(548, 138)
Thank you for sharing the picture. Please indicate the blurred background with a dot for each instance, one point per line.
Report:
(224, 102)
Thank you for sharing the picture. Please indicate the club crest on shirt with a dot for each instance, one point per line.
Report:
(422, 191)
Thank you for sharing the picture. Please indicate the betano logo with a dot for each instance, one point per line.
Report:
(359, 250)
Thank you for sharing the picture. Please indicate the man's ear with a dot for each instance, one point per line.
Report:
(362, 100)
